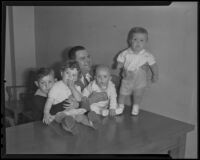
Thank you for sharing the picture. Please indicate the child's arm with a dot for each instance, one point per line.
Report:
(113, 101)
(47, 116)
(154, 69)
(119, 65)
(77, 95)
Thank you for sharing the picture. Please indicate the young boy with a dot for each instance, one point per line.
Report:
(62, 91)
(44, 80)
(132, 60)
(101, 93)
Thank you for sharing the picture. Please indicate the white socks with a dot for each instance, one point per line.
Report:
(120, 109)
(135, 109)
(104, 112)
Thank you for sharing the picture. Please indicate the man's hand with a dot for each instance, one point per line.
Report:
(71, 103)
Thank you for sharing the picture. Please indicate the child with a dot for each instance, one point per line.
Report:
(101, 93)
(131, 60)
(62, 91)
(44, 80)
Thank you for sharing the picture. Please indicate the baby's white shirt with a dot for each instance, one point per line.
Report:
(60, 91)
(111, 92)
(133, 61)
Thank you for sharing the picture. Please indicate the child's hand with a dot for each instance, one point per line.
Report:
(70, 83)
(145, 67)
(154, 79)
(48, 118)
(112, 112)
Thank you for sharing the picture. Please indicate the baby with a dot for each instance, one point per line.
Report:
(61, 91)
(101, 93)
(132, 60)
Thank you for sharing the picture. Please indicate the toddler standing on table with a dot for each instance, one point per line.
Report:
(131, 60)
(60, 92)
(101, 93)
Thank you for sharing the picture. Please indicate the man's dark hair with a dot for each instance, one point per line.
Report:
(73, 50)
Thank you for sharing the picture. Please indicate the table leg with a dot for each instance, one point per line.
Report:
(179, 150)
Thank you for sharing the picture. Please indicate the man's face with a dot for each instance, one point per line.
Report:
(84, 60)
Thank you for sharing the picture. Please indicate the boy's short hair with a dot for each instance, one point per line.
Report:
(73, 50)
(101, 66)
(71, 64)
(136, 30)
(42, 72)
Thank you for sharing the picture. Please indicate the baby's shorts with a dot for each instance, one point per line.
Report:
(133, 80)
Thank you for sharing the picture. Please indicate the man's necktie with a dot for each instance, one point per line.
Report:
(86, 81)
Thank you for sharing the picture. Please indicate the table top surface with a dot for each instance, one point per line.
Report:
(116, 135)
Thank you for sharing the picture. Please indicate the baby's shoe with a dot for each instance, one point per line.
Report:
(135, 109)
(94, 119)
(119, 109)
(104, 112)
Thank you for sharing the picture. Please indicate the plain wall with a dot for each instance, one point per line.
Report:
(103, 31)
(20, 44)
(24, 40)
(8, 71)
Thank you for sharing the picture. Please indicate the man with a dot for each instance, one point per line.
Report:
(80, 54)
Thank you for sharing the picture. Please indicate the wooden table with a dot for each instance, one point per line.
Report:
(147, 133)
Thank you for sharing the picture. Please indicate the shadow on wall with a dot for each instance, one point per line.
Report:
(56, 66)
(114, 64)
(29, 77)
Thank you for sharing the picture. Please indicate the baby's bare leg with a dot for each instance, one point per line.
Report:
(121, 99)
(138, 95)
